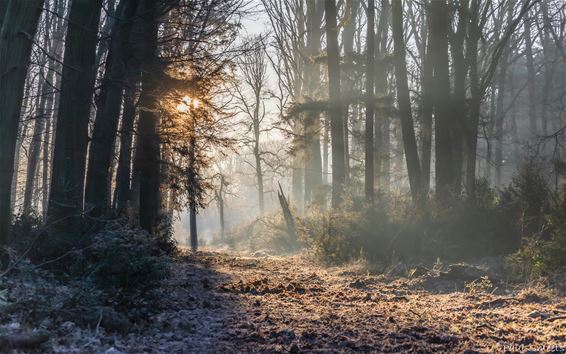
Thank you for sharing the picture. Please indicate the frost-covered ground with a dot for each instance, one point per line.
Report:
(226, 303)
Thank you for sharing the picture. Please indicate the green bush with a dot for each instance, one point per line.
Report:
(543, 252)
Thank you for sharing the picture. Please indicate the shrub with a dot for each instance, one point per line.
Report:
(350, 232)
(27, 232)
(478, 286)
(526, 199)
(123, 258)
(543, 252)
(268, 232)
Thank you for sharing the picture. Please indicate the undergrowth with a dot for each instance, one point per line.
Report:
(525, 221)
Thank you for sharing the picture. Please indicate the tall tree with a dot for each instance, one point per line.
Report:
(382, 123)
(53, 44)
(253, 67)
(148, 143)
(71, 138)
(348, 72)
(443, 123)
(101, 151)
(530, 74)
(548, 67)
(471, 137)
(370, 104)
(459, 97)
(404, 100)
(18, 28)
(335, 105)
(426, 101)
(312, 124)
(55, 62)
(123, 189)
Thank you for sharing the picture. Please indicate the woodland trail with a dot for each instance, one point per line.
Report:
(225, 303)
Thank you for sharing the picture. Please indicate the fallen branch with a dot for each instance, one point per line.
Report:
(16, 341)
(556, 318)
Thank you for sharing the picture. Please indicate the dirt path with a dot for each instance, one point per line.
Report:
(224, 303)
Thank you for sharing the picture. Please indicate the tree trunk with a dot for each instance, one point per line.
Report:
(382, 124)
(257, 156)
(16, 36)
(149, 144)
(313, 158)
(123, 194)
(21, 135)
(426, 106)
(407, 127)
(530, 75)
(3, 8)
(52, 105)
(325, 154)
(548, 68)
(499, 119)
(501, 111)
(370, 66)
(71, 138)
(459, 100)
(442, 100)
(475, 101)
(348, 73)
(297, 172)
(335, 106)
(220, 201)
(36, 140)
(98, 181)
(192, 193)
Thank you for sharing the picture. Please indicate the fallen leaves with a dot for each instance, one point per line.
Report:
(218, 302)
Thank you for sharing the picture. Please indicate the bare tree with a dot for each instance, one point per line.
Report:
(252, 65)
(16, 35)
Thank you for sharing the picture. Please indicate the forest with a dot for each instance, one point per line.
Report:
(282, 176)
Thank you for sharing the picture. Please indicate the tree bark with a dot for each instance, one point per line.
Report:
(459, 99)
(348, 73)
(548, 68)
(335, 106)
(426, 106)
(405, 113)
(370, 66)
(382, 119)
(36, 140)
(444, 162)
(257, 154)
(52, 104)
(16, 36)
(475, 100)
(499, 119)
(501, 110)
(192, 195)
(530, 75)
(123, 173)
(98, 181)
(313, 158)
(71, 138)
(149, 144)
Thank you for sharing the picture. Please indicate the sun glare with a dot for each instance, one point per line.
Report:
(186, 103)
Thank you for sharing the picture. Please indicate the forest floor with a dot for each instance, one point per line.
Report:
(221, 302)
